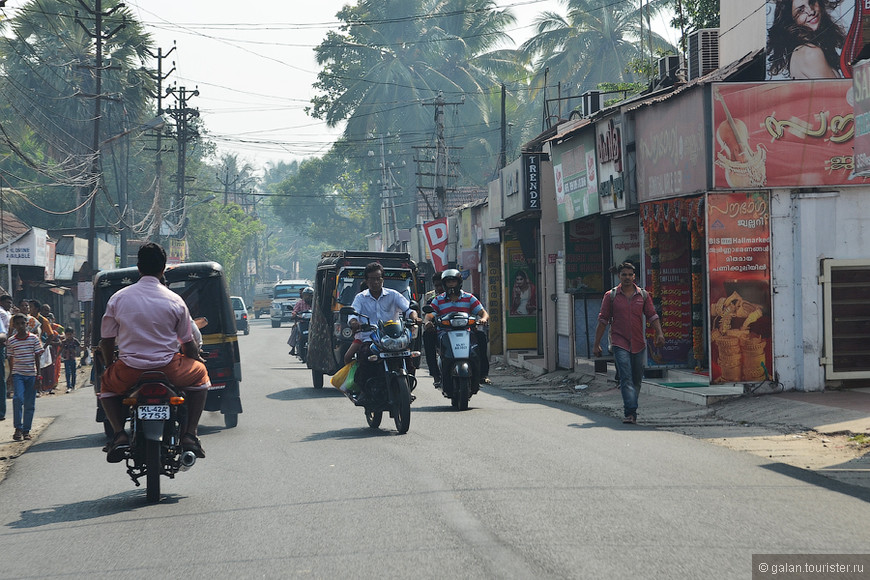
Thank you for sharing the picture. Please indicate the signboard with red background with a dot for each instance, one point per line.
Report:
(671, 148)
(738, 250)
(436, 237)
(764, 131)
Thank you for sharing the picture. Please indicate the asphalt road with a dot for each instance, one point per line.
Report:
(513, 488)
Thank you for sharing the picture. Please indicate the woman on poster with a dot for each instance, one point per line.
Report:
(524, 299)
(804, 42)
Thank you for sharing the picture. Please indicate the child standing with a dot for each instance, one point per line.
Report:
(23, 350)
(70, 350)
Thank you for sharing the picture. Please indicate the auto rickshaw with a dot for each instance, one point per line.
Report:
(339, 276)
(204, 289)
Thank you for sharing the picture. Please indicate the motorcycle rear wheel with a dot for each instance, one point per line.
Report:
(373, 418)
(152, 471)
(402, 413)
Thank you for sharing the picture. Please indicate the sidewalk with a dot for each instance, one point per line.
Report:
(826, 433)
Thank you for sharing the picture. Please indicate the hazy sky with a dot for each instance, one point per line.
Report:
(253, 63)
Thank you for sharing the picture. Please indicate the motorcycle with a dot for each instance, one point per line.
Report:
(157, 414)
(458, 357)
(389, 389)
(303, 322)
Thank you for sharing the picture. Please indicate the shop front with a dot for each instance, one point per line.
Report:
(672, 153)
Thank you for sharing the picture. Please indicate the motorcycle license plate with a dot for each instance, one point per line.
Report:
(403, 353)
(153, 412)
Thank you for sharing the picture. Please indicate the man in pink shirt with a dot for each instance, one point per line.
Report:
(624, 308)
(147, 321)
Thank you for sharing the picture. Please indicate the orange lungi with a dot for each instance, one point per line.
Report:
(183, 372)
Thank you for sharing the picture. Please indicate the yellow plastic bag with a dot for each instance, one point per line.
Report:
(339, 378)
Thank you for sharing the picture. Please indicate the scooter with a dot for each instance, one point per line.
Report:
(303, 322)
(458, 357)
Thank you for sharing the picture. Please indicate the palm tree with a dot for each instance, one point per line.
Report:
(594, 42)
(48, 80)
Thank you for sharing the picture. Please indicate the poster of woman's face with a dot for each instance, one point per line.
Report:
(812, 39)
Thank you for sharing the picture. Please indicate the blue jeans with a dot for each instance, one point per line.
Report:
(69, 369)
(23, 401)
(630, 369)
(3, 382)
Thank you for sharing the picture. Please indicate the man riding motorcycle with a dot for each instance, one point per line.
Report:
(376, 304)
(148, 320)
(455, 299)
(306, 297)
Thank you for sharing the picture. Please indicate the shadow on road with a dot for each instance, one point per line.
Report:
(123, 502)
(363, 432)
(813, 478)
(301, 393)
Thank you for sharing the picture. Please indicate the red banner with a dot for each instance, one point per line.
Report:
(436, 237)
(776, 134)
(739, 259)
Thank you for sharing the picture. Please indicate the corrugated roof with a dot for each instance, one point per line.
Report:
(11, 227)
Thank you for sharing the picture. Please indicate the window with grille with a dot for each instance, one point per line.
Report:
(846, 287)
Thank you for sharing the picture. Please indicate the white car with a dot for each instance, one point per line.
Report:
(241, 312)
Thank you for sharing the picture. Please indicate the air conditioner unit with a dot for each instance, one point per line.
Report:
(668, 66)
(703, 52)
(591, 102)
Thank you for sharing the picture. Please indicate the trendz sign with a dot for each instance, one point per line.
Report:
(532, 166)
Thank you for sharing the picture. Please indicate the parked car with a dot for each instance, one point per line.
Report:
(241, 312)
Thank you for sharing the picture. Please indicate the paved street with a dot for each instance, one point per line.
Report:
(517, 487)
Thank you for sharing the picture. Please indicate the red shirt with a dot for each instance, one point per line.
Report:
(627, 327)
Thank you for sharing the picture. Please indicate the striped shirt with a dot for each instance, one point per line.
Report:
(23, 352)
(467, 302)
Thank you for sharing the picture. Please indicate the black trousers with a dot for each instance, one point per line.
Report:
(430, 339)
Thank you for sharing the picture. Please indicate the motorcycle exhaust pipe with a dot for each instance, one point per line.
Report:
(188, 458)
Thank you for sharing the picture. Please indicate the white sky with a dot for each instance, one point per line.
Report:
(253, 63)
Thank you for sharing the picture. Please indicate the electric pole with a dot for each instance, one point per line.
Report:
(184, 134)
(434, 161)
(158, 162)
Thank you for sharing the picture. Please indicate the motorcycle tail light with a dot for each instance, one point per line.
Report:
(176, 400)
(129, 401)
(153, 390)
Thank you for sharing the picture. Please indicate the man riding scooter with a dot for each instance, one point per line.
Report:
(455, 299)
(306, 297)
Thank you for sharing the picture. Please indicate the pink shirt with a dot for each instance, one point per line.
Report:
(627, 327)
(147, 320)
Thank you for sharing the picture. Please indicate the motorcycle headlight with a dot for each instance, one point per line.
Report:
(400, 343)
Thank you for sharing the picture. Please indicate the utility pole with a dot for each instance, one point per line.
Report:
(184, 134)
(158, 162)
(389, 222)
(437, 158)
(502, 155)
(227, 182)
(99, 37)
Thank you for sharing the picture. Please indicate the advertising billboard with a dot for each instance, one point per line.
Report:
(576, 177)
(795, 134)
(611, 183)
(671, 148)
(813, 40)
(738, 249)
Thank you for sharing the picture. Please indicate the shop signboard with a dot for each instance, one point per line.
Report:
(624, 243)
(671, 147)
(842, 24)
(494, 303)
(764, 131)
(608, 149)
(861, 105)
(436, 238)
(738, 249)
(575, 172)
(31, 249)
(532, 185)
(521, 291)
(583, 257)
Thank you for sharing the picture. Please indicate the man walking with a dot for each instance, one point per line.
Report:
(624, 309)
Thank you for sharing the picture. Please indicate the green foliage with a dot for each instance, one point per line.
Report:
(696, 15)
(221, 233)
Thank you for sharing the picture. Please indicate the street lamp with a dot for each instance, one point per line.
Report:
(156, 124)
